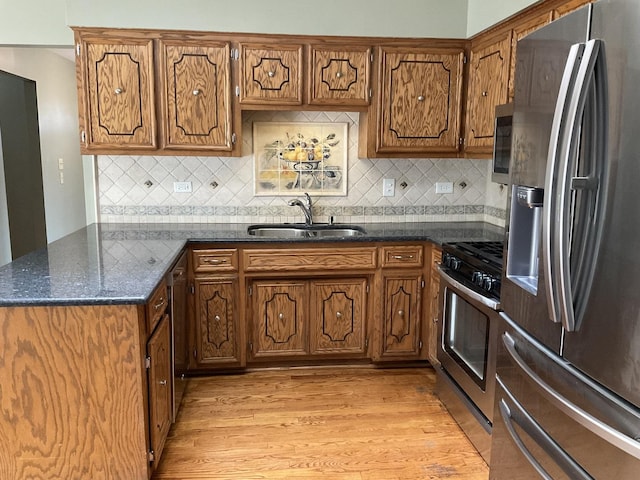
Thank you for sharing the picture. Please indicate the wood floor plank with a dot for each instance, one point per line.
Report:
(338, 423)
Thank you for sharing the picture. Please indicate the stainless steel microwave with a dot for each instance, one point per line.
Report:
(502, 144)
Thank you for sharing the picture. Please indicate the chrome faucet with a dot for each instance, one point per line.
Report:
(306, 209)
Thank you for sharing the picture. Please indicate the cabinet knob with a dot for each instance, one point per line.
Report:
(421, 98)
(214, 261)
(338, 315)
(271, 73)
(339, 74)
(196, 92)
(163, 382)
(281, 316)
(403, 257)
(484, 94)
(435, 320)
(159, 305)
(118, 91)
(217, 318)
(401, 313)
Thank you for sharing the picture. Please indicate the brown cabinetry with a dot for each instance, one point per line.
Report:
(487, 87)
(217, 339)
(339, 76)
(160, 387)
(156, 93)
(401, 309)
(434, 306)
(338, 317)
(196, 95)
(270, 74)
(293, 318)
(279, 319)
(419, 104)
(117, 98)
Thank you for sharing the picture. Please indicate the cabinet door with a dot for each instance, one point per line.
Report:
(420, 100)
(279, 319)
(434, 306)
(119, 94)
(488, 78)
(216, 322)
(340, 76)
(568, 7)
(339, 312)
(159, 379)
(196, 95)
(401, 315)
(270, 74)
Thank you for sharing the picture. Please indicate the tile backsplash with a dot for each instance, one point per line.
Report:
(139, 189)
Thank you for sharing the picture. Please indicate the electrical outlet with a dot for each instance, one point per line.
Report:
(388, 187)
(444, 187)
(182, 187)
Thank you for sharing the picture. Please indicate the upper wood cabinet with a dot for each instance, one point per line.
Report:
(568, 6)
(270, 74)
(130, 82)
(487, 87)
(117, 98)
(339, 76)
(419, 103)
(196, 94)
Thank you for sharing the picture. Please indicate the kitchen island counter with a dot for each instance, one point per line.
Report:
(104, 264)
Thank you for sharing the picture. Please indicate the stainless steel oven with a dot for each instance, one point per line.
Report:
(467, 336)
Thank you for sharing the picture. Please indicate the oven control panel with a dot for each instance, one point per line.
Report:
(474, 276)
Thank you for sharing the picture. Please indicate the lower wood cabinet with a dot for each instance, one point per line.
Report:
(401, 315)
(216, 322)
(279, 319)
(433, 316)
(261, 304)
(338, 317)
(159, 377)
(291, 318)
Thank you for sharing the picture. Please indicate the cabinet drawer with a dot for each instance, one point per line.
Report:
(409, 256)
(215, 260)
(157, 305)
(305, 259)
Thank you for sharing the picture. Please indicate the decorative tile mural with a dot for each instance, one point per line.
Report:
(297, 157)
(139, 189)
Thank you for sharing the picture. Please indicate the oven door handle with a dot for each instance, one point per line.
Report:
(487, 302)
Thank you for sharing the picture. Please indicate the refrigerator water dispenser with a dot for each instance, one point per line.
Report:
(525, 231)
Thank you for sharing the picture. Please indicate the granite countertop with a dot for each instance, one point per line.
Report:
(123, 263)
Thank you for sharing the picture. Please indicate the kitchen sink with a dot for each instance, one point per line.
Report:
(300, 230)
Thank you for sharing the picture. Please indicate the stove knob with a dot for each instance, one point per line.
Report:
(446, 260)
(488, 283)
(456, 263)
(476, 278)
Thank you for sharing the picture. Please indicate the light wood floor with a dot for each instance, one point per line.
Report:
(337, 423)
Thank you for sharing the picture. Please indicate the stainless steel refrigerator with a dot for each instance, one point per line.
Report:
(567, 403)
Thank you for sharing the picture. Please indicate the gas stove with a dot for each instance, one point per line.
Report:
(477, 265)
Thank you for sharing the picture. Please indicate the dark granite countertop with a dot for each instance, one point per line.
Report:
(123, 263)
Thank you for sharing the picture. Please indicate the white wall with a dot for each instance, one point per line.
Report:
(58, 124)
(34, 22)
(398, 18)
(481, 14)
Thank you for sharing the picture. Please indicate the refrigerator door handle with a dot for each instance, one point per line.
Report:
(513, 412)
(561, 246)
(604, 431)
(553, 163)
